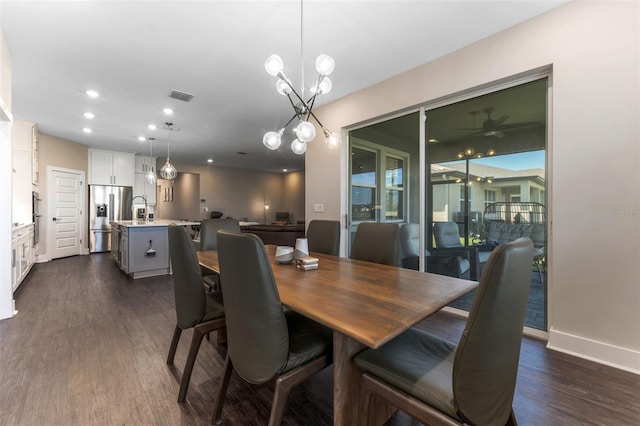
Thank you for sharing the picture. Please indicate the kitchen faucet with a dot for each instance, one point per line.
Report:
(145, 206)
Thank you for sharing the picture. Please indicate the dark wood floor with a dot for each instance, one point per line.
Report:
(88, 347)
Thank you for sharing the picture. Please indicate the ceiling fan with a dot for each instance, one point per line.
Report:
(494, 127)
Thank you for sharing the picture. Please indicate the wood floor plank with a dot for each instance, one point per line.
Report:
(89, 345)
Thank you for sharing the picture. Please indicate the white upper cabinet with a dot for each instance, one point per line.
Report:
(141, 186)
(144, 164)
(110, 167)
(25, 139)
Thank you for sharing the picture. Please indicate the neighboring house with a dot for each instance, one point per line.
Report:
(487, 184)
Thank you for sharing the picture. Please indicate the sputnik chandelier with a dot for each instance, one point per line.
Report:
(305, 131)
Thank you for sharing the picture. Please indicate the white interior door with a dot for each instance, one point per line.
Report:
(66, 197)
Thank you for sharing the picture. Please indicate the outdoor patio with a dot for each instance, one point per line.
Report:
(535, 316)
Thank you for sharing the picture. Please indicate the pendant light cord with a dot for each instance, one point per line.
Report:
(302, 48)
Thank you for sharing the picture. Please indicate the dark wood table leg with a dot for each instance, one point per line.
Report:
(346, 384)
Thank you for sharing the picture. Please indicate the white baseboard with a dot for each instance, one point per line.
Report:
(593, 350)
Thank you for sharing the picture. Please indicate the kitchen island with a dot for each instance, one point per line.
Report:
(141, 248)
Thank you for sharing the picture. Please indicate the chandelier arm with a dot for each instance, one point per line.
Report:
(291, 102)
(290, 120)
(283, 78)
(316, 118)
(312, 101)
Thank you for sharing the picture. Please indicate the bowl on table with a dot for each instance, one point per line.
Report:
(284, 254)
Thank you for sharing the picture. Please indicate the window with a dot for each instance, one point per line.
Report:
(363, 185)
(394, 188)
(489, 197)
(378, 183)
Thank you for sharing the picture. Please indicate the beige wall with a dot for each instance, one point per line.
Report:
(241, 193)
(593, 50)
(53, 151)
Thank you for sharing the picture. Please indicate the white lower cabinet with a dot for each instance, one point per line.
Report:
(22, 254)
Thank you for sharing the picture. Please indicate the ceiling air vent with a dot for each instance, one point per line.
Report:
(181, 96)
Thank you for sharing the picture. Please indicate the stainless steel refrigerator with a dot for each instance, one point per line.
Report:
(106, 204)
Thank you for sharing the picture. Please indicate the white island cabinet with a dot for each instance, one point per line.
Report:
(144, 247)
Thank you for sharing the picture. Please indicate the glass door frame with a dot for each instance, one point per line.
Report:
(423, 192)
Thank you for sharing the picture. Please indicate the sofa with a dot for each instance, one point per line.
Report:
(280, 235)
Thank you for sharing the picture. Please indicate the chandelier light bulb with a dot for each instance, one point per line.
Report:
(274, 65)
(298, 147)
(305, 131)
(272, 140)
(332, 140)
(325, 86)
(282, 87)
(325, 64)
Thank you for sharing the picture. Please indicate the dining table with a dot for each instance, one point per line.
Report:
(365, 304)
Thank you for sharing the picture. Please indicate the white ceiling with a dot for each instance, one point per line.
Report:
(135, 52)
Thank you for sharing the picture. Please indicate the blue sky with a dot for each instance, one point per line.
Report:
(521, 161)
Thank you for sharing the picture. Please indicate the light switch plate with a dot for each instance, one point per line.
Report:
(318, 208)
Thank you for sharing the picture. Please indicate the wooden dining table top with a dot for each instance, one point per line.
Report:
(366, 301)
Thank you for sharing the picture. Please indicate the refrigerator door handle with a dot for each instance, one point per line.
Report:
(111, 200)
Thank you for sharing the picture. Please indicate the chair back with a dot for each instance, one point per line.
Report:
(210, 227)
(486, 360)
(257, 334)
(190, 298)
(410, 239)
(446, 234)
(323, 236)
(377, 243)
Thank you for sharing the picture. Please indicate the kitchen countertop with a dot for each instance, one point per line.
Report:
(155, 222)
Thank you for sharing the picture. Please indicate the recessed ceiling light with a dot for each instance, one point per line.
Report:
(433, 140)
(142, 138)
(89, 115)
(92, 93)
(168, 111)
(284, 170)
(152, 126)
(86, 130)
(209, 160)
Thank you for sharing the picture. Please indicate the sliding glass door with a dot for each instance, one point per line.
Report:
(384, 181)
(481, 166)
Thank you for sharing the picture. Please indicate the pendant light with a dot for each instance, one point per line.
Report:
(151, 175)
(168, 171)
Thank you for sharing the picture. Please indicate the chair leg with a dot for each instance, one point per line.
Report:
(196, 341)
(288, 381)
(539, 266)
(174, 344)
(222, 391)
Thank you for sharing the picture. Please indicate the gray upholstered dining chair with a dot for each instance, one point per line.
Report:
(438, 382)
(264, 342)
(450, 262)
(448, 246)
(323, 236)
(209, 241)
(377, 243)
(203, 312)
